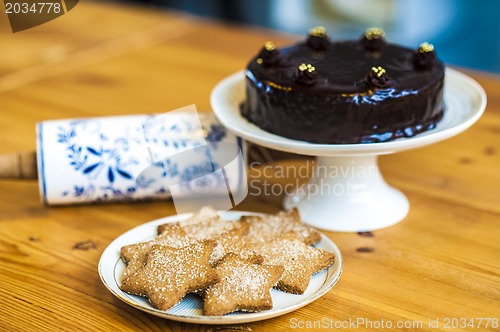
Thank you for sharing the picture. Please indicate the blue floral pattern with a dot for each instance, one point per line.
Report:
(105, 162)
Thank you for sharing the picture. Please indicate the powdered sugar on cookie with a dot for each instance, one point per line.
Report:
(243, 286)
(266, 228)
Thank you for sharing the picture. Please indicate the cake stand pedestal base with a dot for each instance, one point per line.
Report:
(348, 194)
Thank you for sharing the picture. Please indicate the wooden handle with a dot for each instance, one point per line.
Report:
(21, 165)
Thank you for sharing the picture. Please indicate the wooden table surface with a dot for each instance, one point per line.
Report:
(442, 261)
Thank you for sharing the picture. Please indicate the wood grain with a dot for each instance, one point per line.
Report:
(441, 261)
(21, 165)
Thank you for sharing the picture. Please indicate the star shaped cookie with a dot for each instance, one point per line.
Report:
(135, 255)
(266, 228)
(300, 260)
(207, 224)
(232, 242)
(243, 286)
(171, 273)
(205, 213)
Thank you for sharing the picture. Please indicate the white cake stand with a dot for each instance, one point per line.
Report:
(347, 192)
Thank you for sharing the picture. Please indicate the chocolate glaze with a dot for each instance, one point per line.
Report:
(318, 43)
(269, 57)
(374, 44)
(340, 107)
(424, 60)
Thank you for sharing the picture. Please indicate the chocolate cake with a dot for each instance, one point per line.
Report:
(361, 91)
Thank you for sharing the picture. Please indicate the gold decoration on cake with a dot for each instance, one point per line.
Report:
(269, 46)
(378, 78)
(426, 48)
(307, 67)
(425, 57)
(317, 39)
(305, 74)
(374, 33)
(318, 31)
(268, 55)
(378, 71)
(277, 86)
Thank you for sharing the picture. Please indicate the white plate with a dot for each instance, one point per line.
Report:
(464, 98)
(190, 309)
